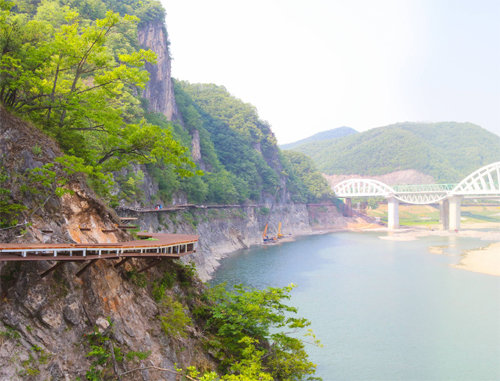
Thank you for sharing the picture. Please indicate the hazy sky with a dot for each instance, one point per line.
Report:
(310, 66)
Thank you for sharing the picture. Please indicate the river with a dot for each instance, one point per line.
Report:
(383, 309)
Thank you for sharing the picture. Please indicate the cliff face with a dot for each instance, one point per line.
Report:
(46, 217)
(48, 324)
(159, 90)
(225, 230)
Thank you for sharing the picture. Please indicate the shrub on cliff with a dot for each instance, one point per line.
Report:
(251, 326)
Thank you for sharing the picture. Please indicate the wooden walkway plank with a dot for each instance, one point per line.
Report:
(162, 245)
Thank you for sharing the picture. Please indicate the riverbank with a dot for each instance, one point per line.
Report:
(485, 260)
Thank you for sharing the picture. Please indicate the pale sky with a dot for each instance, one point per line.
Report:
(314, 65)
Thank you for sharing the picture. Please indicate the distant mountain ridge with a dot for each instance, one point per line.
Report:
(447, 151)
(335, 133)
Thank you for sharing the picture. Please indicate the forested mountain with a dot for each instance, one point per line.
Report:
(76, 70)
(448, 151)
(320, 136)
(238, 151)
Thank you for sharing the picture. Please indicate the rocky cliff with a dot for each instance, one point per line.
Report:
(105, 321)
(225, 230)
(159, 90)
(111, 320)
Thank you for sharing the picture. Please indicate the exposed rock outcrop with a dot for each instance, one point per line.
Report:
(225, 230)
(45, 323)
(46, 217)
(159, 90)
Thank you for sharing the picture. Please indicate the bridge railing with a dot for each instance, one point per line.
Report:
(424, 188)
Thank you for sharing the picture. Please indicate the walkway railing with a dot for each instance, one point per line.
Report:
(152, 245)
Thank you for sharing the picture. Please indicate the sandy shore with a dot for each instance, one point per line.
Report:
(486, 260)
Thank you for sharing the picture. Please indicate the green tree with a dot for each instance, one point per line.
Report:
(250, 319)
(67, 81)
(306, 181)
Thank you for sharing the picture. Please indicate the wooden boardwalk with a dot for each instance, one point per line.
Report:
(151, 245)
(172, 208)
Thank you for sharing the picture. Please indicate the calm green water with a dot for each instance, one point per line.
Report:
(384, 310)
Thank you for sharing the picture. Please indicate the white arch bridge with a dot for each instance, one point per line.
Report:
(483, 183)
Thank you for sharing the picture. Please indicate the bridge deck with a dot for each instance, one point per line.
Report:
(162, 245)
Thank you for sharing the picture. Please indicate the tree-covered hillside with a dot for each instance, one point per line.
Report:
(238, 150)
(75, 70)
(448, 151)
(338, 132)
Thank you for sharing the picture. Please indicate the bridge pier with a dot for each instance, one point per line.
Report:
(455, 212)
(444, 214)
(392, 213)
(347, 208)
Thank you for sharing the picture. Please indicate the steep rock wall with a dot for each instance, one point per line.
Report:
(225, 230)
(159, 90)
(45, 322)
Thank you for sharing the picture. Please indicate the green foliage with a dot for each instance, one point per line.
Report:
(221, 189)
(250, 321)
(36, 357)
(139, 279)
(162, 285)
(166, 176)
(306, 183)
(173, 318)
(37, 150)
(10, 334)
(195, 188)
(9, 209)
(78, 79)
(132, 355)
(104, 352)
(446, 151)
(249, 368)
(190, 218)
(30, 367)
(129, 185)
(101, 353)
(238, 149)
(264, 210)
(186, 273)
(38, 184)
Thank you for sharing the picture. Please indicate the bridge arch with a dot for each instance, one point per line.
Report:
(484, 181)
(373, 188)
(362, 188)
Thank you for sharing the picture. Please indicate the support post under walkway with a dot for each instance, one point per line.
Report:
(392, 213)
